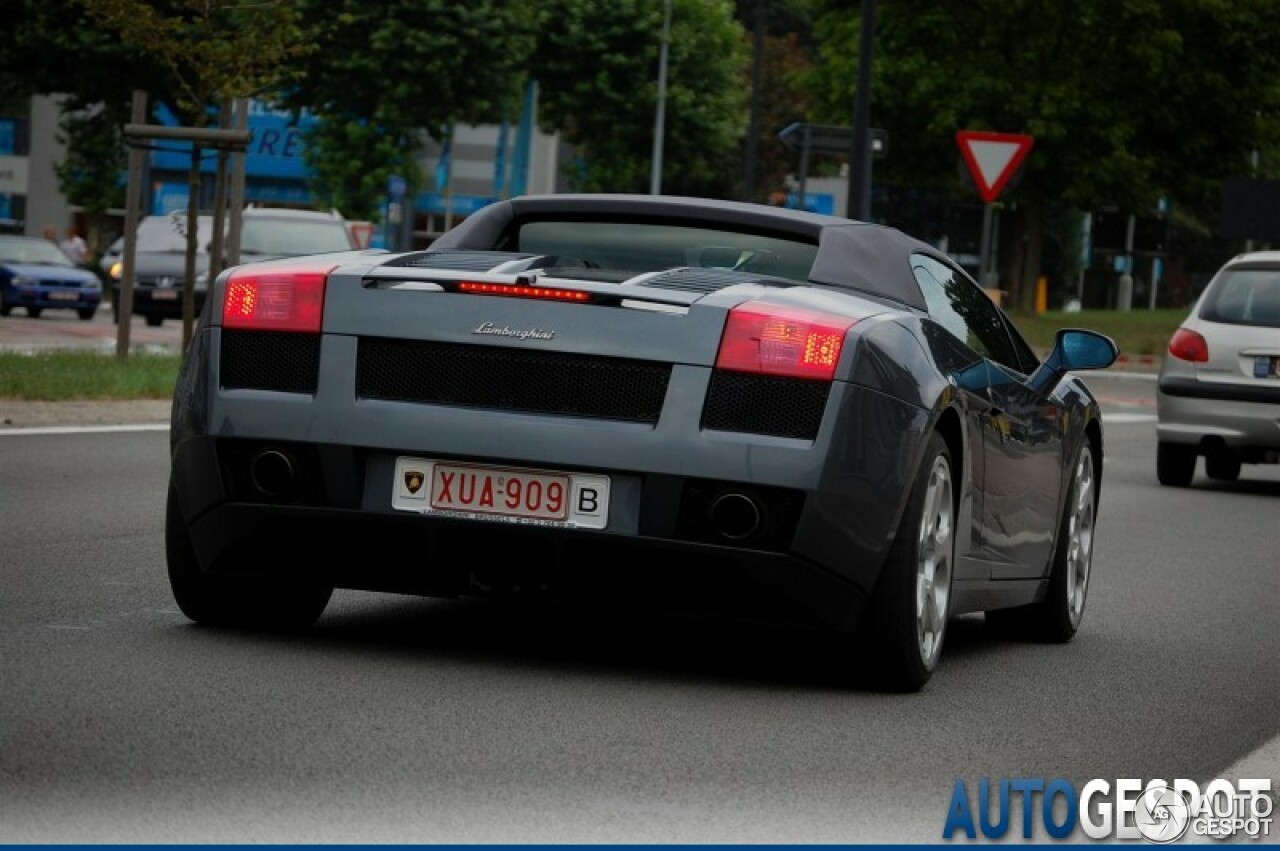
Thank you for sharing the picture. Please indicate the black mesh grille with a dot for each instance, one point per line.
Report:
(270, 360)
(511, 379)
(765, 404)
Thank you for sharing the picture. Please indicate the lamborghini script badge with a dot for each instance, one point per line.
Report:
(413, 480)
(507, 331)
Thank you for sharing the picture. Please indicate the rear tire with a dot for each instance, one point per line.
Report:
(34, 312)
(250, 603)
(906, 619)
(154, 321)
(86, 313)
(5, 307)
(1056, 618)
(1222, 465)
(1175, 464)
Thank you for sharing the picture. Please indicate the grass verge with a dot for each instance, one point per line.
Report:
(1137, 332)
(64, 375)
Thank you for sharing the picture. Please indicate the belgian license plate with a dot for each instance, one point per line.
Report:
(504, 494)
(1265, 366)
(164, 295)
(63, 295)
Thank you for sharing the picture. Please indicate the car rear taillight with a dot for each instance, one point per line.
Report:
(1190, 346)
(772, 339)
(279, 298)
(521, 291)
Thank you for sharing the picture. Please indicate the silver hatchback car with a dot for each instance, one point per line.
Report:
(1219, 389)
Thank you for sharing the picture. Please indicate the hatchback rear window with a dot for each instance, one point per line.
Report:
(1244, 297)
(168, 234)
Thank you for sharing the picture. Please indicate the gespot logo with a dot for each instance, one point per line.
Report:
(1157, 811)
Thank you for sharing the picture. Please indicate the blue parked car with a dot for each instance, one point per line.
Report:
(37, 275)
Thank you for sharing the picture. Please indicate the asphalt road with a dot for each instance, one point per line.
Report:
(417, 721)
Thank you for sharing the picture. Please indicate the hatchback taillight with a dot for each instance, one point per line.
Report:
(1189, 346)
(772, 339)
(279, 298)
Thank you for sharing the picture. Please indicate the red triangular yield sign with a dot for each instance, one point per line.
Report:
(992, 158)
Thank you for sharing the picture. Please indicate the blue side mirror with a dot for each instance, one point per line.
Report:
(1074, 348)
(1085, 349)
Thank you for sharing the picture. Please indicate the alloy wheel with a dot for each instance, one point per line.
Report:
(933, 570)
(1080, 537)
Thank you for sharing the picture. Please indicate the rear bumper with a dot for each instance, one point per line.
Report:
(451, 558)
(51, 299)
(1241, 417)
(334, 523)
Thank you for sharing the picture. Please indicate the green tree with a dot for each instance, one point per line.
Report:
(383, 73)
(89, 174)
(93, 72)
(597, 72)
(783, 101)
(47, 53)
(212, 51)
(1128, 100)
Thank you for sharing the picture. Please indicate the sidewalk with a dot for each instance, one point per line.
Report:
(16, 414)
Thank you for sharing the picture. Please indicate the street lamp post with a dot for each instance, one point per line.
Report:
(860, 160)
(660, 119)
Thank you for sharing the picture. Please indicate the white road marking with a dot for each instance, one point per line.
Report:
(100, 429)
(1126, 419)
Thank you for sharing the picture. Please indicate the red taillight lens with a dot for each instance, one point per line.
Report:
(518, 291)
(1190, 346)
(776, 340)
(280, 298)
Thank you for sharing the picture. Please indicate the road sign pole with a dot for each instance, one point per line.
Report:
(984, 253)
(804, 165)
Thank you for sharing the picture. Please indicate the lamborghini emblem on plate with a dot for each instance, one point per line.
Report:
(413, 480)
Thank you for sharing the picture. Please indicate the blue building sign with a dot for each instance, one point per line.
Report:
(459, 205)
(275, 149)
(814, 202)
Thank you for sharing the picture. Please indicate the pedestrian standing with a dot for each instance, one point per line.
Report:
(74, 246)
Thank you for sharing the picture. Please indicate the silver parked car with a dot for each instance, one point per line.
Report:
(1219, 390)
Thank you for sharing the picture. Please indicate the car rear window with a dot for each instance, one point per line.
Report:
(1244, 296)
(635, 247)
(163, 234)
(292, 236)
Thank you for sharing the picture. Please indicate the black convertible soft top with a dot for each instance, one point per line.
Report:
(866, 257)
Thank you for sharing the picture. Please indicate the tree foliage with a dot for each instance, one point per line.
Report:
(1128, 100)
(212, 50)
(783, 100)
(47, 51)
(89, 174)
(597, 71)
(382, 73)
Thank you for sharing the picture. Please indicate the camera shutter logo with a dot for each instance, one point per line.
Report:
(1162, 814)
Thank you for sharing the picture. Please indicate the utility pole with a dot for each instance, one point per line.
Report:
(133, 200)
(753, 134)
(860, 160)
(660, 119)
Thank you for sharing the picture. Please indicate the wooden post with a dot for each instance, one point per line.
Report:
(133, 200)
